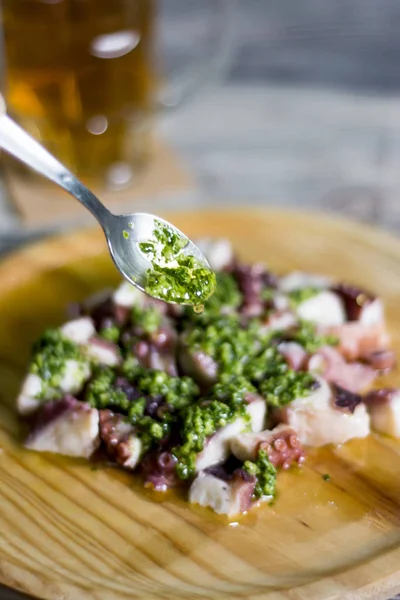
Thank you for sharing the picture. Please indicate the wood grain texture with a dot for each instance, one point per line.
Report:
(67, 531)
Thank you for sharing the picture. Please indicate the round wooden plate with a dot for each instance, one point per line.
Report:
(69, 531)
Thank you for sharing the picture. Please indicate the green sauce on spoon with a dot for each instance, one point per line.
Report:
(175, 276)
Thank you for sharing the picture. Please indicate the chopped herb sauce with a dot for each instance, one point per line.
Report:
(300, 295)
(110, 333)
(147, 318)
(265, 472)
(200, 421)
(101, 392)
(307, 336)
(283, 388)
(50, 356)
(174, 276)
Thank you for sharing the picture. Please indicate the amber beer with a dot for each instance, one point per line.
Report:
(80, 77)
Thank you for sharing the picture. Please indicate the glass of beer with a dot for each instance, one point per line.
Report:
(82, 77)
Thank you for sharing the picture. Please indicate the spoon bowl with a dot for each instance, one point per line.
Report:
(123, 232)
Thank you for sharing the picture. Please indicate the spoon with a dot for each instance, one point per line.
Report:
(123, 232)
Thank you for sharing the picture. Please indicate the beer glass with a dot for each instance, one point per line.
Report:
(83, 78)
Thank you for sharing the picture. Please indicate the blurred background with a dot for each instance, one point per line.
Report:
(228, 103)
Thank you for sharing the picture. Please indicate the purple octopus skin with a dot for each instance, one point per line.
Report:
(115, 434)
(105, 312)
(351, 296)
(252, 279)
(241, 481)
(381, 360)
(155, 351)
(152, 358)
(244, 484)
(131, 392)
(378, 396)
(198, 365)
(65, 426)
(344, 399)
(159, 470)
(50, 411)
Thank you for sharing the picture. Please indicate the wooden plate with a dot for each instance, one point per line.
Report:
(69, 532)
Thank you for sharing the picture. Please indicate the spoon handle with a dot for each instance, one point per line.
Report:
(15, 141)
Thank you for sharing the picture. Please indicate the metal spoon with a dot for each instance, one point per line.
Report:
(123, 232)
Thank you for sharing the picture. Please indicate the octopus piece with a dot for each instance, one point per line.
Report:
(357, 340)
(104, 311)
(229, 496)
(329, 363)
(280, 321)
(281, 444)
(120, 439)
(219, 253)
(317, 421)
(372, 313)
(299, 280)
(159, 470)
(345, 399)
(79, 330)
(65, 427)
(218, 446)
(129, 389)
(281, 302)
(257, 410)
(252, 280)
(294, 354)
(384, 409)
(127, 295)
(360, 305)
(27, 400)
(150, 357)
(30, 398)
(381, 360)
(103, 352)
(197, 364)
(324, 309)
(159, 351)
(76, 373)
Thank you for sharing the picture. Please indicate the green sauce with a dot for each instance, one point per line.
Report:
(306, 335)
(110, 333)
(227, 342)
(283, 388)
(224, 403)
(174, 276)
(50, 355)
(148, 318)
(200, 421)
(176, 392)
(265, 472)
(101, 392)
(225, 300)
(300, 295)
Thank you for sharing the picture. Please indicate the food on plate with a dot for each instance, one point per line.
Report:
(217, 403)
